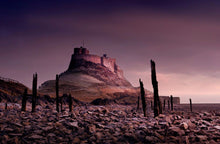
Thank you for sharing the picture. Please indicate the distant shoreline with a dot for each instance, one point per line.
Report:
(201, 103)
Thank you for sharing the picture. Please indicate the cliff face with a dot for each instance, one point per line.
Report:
(87, 78)
(101, 73)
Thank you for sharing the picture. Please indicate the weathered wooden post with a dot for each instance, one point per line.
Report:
(6, 105)
(138, 103)
(157, 104)
(171, 101)
(151, 105)
(34, 92)
(24, 100)
(70, 103)
(143, 97)
(160, 107)
(61, 103)
(190, 100)
(57, 93)
(168, 104)
(164, 104)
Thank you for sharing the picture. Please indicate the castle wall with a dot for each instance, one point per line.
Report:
(91, 58)
(108, 62)
(83, 53)
(176, 100)
(118, 71)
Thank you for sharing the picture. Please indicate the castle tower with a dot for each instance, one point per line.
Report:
(80, 51)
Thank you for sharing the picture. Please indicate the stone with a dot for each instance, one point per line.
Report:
(217, 127)
(17, 124)
(189, 123)
(201, 138)
(76, 140)
(187, 140)
(51, 135)
(159, 136)
(74, 124)
(161, 116)
(98, 135)
(175, 131)
(47, 128)
(151, 139)
(92, 128)
(184, 126)
(36, 137)
(162, 122)
(111, 127)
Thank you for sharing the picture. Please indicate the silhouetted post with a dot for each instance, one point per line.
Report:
(138, 103)
(24, 100)
(143, 97)
(171, 101)
(61, 103)
(168, 104)
(157, 105)
(151, 105)
(34, 92)
(164, 104)
(57, 93)
(70, 103)
(160, 107)
(6, 105)
(190, 104)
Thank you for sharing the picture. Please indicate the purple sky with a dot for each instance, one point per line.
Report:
(182, 37)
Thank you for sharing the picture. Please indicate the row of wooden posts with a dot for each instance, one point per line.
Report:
(157, 103)
(34, 96)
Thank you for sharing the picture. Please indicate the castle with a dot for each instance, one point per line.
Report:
(176, 100)
(83, 54)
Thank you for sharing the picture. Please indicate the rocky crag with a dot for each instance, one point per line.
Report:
(89, 77)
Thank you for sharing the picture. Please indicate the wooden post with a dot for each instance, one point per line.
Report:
(6, 105)
(160, 107)
(61, 103)
(151, 105)
(138, 103)
(190, 100)
(70, 103)
(57, 93)
(143, 97)
(157, 105)
(171, 101)
(24, 100)
(34, 92)
(164, 104)
(168, 104)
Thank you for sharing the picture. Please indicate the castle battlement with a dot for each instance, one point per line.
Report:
(83, 54)
(81, 51)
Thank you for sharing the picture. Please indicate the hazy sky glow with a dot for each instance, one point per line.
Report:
(182, 37)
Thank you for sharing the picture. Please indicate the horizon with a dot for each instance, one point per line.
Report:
(181, 37)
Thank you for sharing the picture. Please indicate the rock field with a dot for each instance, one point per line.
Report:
(106, 124)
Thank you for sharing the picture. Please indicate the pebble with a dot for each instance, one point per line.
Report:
(106, 124)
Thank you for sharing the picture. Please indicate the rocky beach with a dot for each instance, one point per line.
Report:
(108, 124)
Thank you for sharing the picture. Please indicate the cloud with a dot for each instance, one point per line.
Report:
(182, 37)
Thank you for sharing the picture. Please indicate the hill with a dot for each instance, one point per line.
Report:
(90, 77)
(10, 90)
